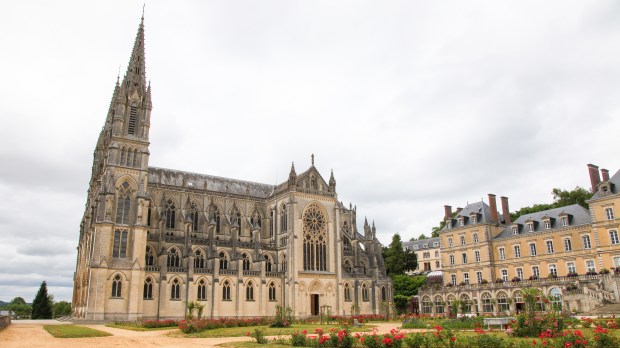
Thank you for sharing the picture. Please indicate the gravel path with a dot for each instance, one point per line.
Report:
(33, 335)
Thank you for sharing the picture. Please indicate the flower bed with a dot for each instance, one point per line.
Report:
(193, 326)
(152, 324)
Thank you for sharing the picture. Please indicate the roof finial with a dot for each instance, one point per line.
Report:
(312, 159)
(143, 5)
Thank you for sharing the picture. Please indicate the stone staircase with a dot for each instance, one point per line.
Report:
(606, 309)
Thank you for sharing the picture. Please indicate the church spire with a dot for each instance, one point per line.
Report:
(332, 182)
(292, 176)
(136, 75)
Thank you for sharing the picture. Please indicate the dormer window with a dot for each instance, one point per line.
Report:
(547, 223)
(449, 224)
(530, 227)
(474, 218)
(415, 247)
(461, 222)
(564, 221)
(515, 229)
(425, 245)
(435, 244)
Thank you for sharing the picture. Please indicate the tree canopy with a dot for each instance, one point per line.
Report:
(397, 260)
(19, 307)
(42, 304)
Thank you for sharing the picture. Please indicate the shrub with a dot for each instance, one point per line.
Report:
(516, 279)
(602, 339)
(159, 323)
(259, 336)
(193, 326)
(573, 339)
(284, 317)
(418, 340)
(604, 271)
(299, 339)
(484, 281)
(499, 280)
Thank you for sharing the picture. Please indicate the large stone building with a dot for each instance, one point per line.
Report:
(428, 254)
(571, 253)
(154, 239)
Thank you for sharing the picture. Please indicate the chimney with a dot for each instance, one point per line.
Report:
(493, 207)
(447, 212)
(605, 174)
(595, 178)
(505, 210)
(458, 210)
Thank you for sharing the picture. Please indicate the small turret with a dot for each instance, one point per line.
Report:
(373, 229)
(332, 182)
(292, 177)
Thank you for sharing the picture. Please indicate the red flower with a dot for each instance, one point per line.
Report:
(533, 342)
(438, 328)
(387, 341)
(453, 338)
(248, 334)
(568, 344)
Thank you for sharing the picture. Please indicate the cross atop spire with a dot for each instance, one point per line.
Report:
(312, 158)
(136, 74)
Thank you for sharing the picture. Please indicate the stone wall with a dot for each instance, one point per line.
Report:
(5, 321)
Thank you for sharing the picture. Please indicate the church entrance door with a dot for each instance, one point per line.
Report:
(314, 304)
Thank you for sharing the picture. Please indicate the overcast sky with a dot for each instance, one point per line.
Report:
(413, 104)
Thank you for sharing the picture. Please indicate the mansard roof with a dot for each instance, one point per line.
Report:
(578, 216)
(180, 179)
(613, 188)
(420, 243)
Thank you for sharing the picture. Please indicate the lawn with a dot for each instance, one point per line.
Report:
(138, 327)
(252, 345)
(73, 331)
(268, 331)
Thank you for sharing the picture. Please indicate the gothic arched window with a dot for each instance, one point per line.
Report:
(117, 287)
(123, 155)
(175, 290)
(283, 262)
(123, 204)
(315, 239)
(246, 261)
(135, 157)
(365, 297)
(283, 219)
(173, 258)
(383, 294)
(149, 258)
(271, 224)
(170, 214)
(193, 216)
(148, 289)
(223, 260)
(267, 263)
(199, 259)
(214, 217)
(249, 291)
(347, 292)
(226, 291)
(272, 291)
(202, 290)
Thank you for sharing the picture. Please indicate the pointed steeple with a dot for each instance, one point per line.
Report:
(292, 176)
(332, 182)
(136, 73)
(373, 229)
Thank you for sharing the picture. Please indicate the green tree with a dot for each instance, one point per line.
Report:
(19, 307)
(397, 260)
(41, 306)
(422, 236)
(407, 285)
(61, 309)
(561, 198)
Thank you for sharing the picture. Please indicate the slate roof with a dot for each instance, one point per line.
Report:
(420, 243)
(578, 216)
(480, 208)
(615, 181)
(179, 178)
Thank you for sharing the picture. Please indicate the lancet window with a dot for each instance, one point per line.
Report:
(123, 204)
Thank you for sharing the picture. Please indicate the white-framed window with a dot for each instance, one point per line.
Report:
(502, 253)
(520, 273)
(532, 249)
(536, 271)
(462, 240)
(613, 237)
(617, 261)
(609, 212)
(564, 221)
(515, 229)
(466, 278)
(547, 224)
(416, 247)
(517, 250)
(553, 270)
(586, 241)
(435, 244)
(505, 275)
(464, 255)
(568, 246)
(570, 266)
(474, 219)
(477, 255)
(451, 260)
(427, 255)
(590, 267)
(453, 279)
(425, 246)
(479, 277)
(449, 242)
(549, 244)
(530, 227)
(461, 222)
(475, 236)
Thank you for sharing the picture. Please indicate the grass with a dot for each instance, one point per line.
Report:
(252, 345)
(268, 331)
(138, 327)
(73, 331)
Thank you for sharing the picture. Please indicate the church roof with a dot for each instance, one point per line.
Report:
(172, 177)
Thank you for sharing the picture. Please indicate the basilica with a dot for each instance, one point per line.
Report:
(152, 240)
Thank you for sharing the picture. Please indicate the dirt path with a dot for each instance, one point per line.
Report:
(33, 335)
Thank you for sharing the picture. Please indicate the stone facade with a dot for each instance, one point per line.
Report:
(569, 252)
(428, 254)
(152, 240)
